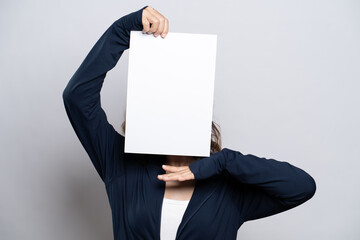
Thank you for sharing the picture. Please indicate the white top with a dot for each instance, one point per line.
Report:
(171, 216)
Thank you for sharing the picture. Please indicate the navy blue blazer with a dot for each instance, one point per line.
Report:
(231, 188)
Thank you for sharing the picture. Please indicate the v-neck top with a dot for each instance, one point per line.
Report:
(171, 214)
(231, 187)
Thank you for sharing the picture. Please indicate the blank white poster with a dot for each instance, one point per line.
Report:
(170, 93)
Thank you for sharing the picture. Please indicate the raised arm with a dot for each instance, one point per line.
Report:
(82, 95)
(265, 186)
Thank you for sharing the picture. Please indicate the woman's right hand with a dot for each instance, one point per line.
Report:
(159, 23)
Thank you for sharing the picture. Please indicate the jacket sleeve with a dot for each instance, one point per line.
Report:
(265, 186)
(81, 96)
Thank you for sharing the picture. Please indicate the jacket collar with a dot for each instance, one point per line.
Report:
(203, 190)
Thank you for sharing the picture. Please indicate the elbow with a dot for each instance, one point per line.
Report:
(67, 94)
(306, 189)
(306, 186)
(310, 188)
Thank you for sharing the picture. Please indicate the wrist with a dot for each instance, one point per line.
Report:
(208, 166)
(131, 21)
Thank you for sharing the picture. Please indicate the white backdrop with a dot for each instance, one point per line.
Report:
(287, 87)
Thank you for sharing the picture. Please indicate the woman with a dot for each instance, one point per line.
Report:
(219, 192)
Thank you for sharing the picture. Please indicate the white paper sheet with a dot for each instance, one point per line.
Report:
(170, 94)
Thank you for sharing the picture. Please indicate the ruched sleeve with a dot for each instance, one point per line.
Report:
(81, 96)
(265, 186)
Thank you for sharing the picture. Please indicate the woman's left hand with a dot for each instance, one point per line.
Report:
(180, 173)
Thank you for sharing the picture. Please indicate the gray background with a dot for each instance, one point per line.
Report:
(287, 87)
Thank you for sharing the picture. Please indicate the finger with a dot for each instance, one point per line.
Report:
(146, 25)
(174, 168)
(147, 19)
(178, 176)
(170, 175)
(186, 176)
(164, 23)
(155, 22)
(166, 28)
(160, 29)
(170, 171)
